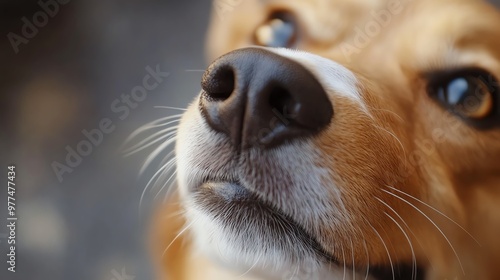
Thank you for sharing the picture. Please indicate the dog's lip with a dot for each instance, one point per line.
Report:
(236, 192)
(233, 191)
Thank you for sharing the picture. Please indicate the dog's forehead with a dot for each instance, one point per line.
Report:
(421, 37)
(432, 30)
(461, 33)
(320, 22)
(329, 21)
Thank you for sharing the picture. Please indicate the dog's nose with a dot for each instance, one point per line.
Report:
(259, 98)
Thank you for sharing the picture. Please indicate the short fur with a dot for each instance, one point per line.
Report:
(395, 178)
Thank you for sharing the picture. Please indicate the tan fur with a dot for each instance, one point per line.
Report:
(427, 152)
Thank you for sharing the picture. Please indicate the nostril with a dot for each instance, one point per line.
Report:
(218, 82)
(261, 99)
(282, 104)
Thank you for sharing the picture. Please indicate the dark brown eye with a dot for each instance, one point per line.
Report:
(469, 93)
(278, 31)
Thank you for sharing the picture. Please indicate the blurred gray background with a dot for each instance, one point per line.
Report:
(64, 80)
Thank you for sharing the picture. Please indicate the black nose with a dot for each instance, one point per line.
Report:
(259, 98)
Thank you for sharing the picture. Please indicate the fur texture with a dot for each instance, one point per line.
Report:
(396, 178)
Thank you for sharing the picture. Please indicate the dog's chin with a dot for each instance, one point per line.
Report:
(257, 223)
(240, 230)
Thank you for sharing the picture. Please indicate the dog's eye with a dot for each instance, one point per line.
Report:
(278, 31)
(469, 93)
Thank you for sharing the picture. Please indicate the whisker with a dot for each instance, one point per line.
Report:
(387, 111)
(407, 226)
(414, 260)
(129, 139)
(156, 152)
(149, 183)
(387, 250)
(394, 136)
(295, 273)
(252, 267)
(164, 162)
(367, 259)
(175, 214)
(166, 183)
(168, 171)
(414, 263)
(153, 124)
(178, 235)
(169, 107)
(170, 189)
(142, 145)
(439, 212)
(435, 225)
(167, 158)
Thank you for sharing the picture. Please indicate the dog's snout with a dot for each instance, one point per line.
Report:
(259, 98)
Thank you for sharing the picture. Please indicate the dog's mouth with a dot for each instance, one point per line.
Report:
(231, 203)
(237, 209)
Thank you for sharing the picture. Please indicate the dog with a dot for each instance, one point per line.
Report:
(340, 139)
